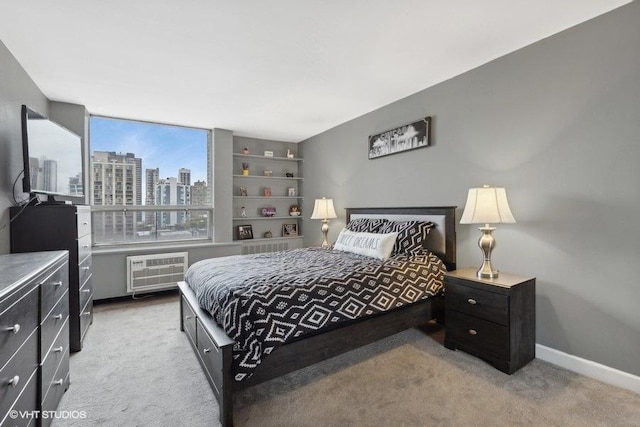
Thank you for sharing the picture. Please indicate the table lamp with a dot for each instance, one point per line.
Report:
(487, 205)
(324, 210)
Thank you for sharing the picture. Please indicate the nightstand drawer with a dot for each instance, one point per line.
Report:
(478, 336)
(477, 302)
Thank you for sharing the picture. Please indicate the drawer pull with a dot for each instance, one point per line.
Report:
(86, 291)
(206, 350)
(473, 332)
(86, 268)
(58, 316)
(472, 301)
(58, 382)
(58, 349)
(15, 328)
(14, 381)
(58, 283)
(85, 223)
(188, 317)
(85, 246)
(86, 313)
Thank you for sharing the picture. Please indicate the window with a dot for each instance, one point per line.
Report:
(150, 182)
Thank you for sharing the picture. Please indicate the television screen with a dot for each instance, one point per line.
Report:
(52, 157)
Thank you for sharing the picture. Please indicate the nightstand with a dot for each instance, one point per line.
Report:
(493, 319)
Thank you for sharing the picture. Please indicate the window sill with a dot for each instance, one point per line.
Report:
(134, 248)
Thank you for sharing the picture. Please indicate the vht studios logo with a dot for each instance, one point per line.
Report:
(77, 415)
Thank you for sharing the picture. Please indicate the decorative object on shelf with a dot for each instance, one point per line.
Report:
(245, 168)
(324, 210)
(267, 191)
(289, 230)
(244, 232)
(268, 173)
(245, 150)
(268, 211)
(268, 234)
(243, 191)
(268, 153)
(294, 210)
(243, 212)
(403, 138)
(487, 205)
(291, 192)
(289, 175)
(290, 154)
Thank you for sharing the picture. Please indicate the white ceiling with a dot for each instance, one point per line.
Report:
(278, 69)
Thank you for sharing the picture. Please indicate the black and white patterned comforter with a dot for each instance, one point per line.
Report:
(265, 300)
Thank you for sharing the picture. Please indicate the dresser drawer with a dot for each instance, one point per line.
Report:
(477, 302)
(86, 317)
(86, 292)
(26, 403)
(56, 388)
(52, 288)
(18, 319)
(210, 354)
(84, 222)
(14, 375)
(84, 247)
(59, 353)
(51, 324)
(478, 336)
(84, 270)
(188, 321)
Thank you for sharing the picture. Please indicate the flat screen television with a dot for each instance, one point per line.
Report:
(52, 157)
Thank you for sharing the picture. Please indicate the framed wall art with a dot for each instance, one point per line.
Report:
(244, 232)
(403, 138)
(289, 230)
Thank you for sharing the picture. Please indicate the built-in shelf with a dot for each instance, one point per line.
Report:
(255, 156)
(254, 218)
(268, 177)
(270, 197)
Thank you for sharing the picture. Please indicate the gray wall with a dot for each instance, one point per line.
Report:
(558, 124)
(16, 88)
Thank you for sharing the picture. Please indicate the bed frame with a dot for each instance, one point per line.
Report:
(213, 347)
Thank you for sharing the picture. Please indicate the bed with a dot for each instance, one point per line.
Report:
(232, 364)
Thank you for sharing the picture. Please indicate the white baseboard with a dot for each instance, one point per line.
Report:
(588, 368)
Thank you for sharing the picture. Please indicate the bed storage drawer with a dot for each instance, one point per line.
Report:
(210, 354)
(188, 321)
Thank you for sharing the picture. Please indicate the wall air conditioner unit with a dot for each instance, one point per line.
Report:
(155, 272)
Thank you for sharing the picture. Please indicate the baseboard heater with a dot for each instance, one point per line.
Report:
(156, 271)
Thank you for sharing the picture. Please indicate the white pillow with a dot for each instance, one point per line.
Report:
(373, 245)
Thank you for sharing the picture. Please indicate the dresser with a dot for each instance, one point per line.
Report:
(34, 343)
(494, 319)
(49, 227)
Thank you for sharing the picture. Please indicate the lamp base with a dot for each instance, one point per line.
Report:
(487, 243)
(325, 231)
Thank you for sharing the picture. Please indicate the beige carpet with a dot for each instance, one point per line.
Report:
(137, 369)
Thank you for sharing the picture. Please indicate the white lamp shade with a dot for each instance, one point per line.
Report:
(323, 209)
(487, 205)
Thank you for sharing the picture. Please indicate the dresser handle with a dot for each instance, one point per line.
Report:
(85, 246)
(85, 223)
(473, 332)
(58, 349)
(14, 381)
(86, 313)
(58, 283)
(472, 301)
(206, 350)
(58, 316)
(15, 328)
(86, 291)
(187, 317)
(86, 268)
(58, 382)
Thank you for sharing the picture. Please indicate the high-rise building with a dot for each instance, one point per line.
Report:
(117, 180)
(200, 194)
(75, 184)
(151, 180)
(184, 176)
(171, 192)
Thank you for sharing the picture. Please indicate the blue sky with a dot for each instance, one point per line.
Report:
(159, 146)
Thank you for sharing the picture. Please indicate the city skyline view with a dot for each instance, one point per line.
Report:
(166, 147)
